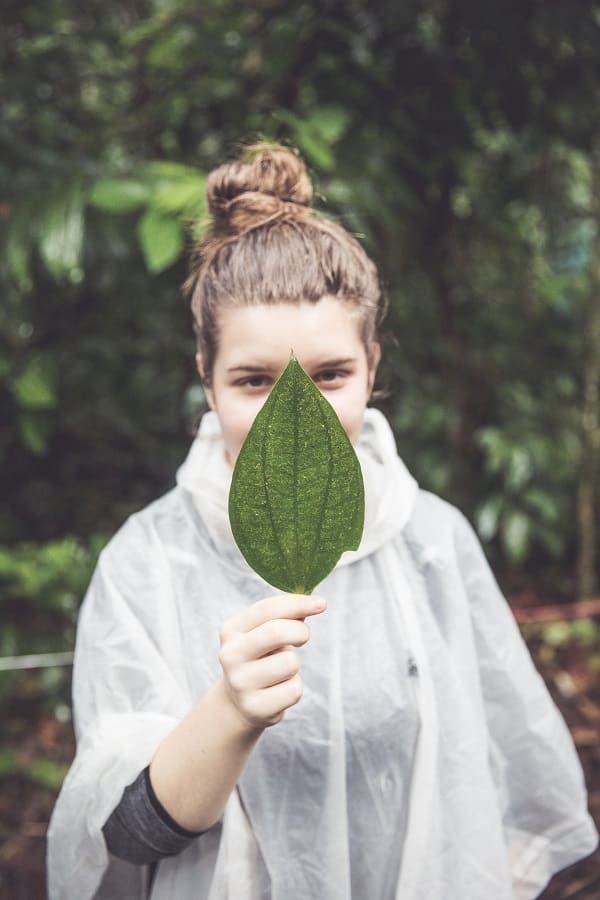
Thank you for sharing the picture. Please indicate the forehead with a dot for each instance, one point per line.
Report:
(267, 332)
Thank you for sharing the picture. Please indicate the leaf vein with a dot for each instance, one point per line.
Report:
(325, 499)
(295, 386)
(263, 449)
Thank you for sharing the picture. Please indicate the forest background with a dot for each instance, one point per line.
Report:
(461, 139)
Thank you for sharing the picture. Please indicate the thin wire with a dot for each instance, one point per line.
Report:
(35, 661)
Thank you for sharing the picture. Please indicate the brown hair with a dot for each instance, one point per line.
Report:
(265, 244)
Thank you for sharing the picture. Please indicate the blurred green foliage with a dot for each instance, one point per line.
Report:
(460, 139)
(41, 586)
(44, 772)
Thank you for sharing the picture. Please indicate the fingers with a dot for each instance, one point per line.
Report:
(260, 668)
(263, 673)
(268, 706)
(267, 638)
(282, 606)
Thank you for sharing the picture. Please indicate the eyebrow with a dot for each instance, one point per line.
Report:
(248, 369)
(326, 364)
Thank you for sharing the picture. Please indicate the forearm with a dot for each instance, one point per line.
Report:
(198, 764)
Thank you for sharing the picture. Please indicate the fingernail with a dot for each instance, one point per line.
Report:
(319, 603)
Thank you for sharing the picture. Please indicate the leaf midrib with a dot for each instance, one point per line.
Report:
(263, 453)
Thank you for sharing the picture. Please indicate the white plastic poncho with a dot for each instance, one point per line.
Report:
(425, 761)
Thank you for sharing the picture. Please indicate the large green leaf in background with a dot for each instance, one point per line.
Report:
(297, 496)
(62, 230)
(161, 238)
(119, 195)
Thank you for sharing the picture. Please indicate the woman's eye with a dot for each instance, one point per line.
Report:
(328, 376)
(254, 381)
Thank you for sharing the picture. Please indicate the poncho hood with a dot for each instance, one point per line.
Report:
(390, 489)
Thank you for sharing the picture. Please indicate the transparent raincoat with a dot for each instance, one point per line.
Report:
(425, 761)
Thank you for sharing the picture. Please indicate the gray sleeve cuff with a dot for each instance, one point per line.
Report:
(140, 830)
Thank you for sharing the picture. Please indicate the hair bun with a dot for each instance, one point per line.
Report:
(268, 182)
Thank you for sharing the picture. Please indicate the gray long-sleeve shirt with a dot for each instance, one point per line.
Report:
(140, 830)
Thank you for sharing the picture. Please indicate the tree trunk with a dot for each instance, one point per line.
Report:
(587, 492)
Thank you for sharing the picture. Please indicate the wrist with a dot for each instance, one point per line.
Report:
(242, 728)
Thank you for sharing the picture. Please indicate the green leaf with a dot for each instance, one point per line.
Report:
(171, 171)
(45, 772)
(119, 195)
(520, 468)
(330, 122)
(161, 240)
(488, 516)
(186, 196)
(515, 536)
(35, 386)
(556, 633)
(9, 764)
(310, 139)
(297, 497)
(61, 233)
(586, 631)
(34, 432)
(543, 503)
(315, 148)
(18, 246)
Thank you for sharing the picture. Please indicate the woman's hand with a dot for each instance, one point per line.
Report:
(198, 764)
(260, 669)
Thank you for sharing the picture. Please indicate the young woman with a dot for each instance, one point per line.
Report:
(389, 739)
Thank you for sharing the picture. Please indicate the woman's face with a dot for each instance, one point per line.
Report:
(254, 349)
